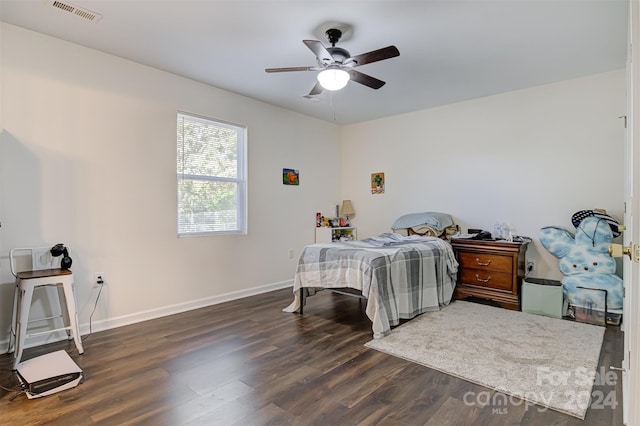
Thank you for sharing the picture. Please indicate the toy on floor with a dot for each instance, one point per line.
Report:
(584, 259)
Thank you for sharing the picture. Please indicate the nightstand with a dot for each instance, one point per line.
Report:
(490, 270)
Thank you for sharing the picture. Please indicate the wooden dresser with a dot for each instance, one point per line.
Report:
(490, 270)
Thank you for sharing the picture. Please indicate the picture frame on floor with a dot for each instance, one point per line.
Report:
(591, 306)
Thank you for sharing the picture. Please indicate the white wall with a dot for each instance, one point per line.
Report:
(530, 158)
(87, 155)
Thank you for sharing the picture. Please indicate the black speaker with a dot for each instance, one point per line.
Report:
(61, 250)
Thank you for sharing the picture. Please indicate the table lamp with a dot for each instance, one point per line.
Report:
(347, 210)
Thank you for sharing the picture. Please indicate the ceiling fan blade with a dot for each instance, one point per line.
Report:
(376, 55)
(317, 89)
(365, 79)
(320, 51)
(287, 69)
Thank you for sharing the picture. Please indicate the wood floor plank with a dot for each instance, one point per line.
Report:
(269, 415)
(452, 412)
(195, 408)
(415, 395)
(246, 362)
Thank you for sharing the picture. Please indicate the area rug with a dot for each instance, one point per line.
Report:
(542, 360)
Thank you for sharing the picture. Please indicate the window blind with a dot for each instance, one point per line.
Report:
(211, 164)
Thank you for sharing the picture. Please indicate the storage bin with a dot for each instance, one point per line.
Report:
(591, 306)
(542, 297)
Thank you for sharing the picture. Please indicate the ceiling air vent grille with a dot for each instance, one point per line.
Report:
(78, 11)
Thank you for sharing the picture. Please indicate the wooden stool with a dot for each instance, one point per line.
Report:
(26, 283)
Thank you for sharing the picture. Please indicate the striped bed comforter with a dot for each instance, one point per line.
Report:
(401, 277)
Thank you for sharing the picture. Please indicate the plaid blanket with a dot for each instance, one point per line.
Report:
(400, 276)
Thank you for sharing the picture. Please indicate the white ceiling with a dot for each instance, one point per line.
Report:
(450, 50)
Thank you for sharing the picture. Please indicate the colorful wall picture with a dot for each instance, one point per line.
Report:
(377, 183)
(290, 177)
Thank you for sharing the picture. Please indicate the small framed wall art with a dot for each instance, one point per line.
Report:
(290, 177)
(377, 183)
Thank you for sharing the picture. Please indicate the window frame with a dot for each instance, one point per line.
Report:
(241, 202)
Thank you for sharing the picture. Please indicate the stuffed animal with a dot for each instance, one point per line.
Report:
(584, 259)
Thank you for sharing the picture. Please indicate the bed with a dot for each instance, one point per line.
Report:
(400, 276)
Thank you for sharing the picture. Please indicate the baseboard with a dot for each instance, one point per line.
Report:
(121, 321)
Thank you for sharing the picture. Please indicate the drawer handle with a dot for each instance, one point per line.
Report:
(482, 280)
(487, 263)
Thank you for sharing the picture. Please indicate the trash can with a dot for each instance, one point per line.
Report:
(542, 297)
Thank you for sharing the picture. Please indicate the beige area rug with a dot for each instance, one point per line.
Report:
(542, 360)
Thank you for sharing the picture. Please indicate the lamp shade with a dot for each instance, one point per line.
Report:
(347, 208)
(333, 78)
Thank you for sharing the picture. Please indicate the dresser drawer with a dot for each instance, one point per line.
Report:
(491, 270)
(486, 262)
(484, 278)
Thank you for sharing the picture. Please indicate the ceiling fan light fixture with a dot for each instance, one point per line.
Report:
(333, 78)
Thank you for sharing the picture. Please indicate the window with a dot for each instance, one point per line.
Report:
(211, 168)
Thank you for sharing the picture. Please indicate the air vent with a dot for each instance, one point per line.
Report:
(78, 11)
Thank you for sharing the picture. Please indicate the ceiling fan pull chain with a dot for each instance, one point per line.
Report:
(333, 110)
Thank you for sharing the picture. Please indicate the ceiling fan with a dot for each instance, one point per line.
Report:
(336, 65)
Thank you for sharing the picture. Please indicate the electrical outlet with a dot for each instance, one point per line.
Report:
(531, 267)
(98, 279)
(290, 253)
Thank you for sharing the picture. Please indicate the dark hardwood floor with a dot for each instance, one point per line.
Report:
(248, 363)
